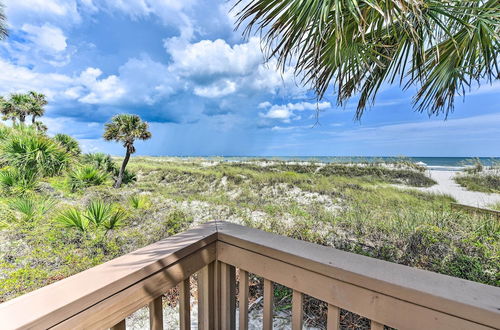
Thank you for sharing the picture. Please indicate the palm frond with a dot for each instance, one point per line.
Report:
(353, 47)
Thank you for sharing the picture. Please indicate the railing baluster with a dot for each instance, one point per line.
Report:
(376, 326)
(156, 314)
(243, 299)
(227, 296)
(206, 297)
(119, 326)
(297, 310)
(185, 305)
(268, 305)
(333, 318)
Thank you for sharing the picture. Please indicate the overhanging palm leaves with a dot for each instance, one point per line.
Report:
(3, 23)
(441, 47)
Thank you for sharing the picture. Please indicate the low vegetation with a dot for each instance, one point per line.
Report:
(477, 177)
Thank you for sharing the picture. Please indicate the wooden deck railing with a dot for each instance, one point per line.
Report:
(388, 294)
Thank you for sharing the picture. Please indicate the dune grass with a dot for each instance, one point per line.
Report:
(354, 210)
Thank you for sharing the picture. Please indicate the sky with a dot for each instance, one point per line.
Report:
(206, 91)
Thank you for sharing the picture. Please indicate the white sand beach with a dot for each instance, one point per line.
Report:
(446, 185)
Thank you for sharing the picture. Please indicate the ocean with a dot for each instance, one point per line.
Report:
(436, 163)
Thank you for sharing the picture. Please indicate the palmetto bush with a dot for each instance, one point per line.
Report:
(97, 215)
(26, 149)
(16, 182)
(73, 218)
(105, 163)
(100, 160)
(86, 176)
(69, 143)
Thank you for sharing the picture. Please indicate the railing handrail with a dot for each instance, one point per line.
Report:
(54, 303)
(455, 296)
(394, 285)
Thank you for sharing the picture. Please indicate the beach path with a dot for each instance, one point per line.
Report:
(446, 185)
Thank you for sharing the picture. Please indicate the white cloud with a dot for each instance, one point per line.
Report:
(104, 91)
(216, 58)
(220, 88)
(62, 12)
(47, 37)
(287, 112)
(21, 79)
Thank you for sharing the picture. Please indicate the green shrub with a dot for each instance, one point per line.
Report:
(69, 143)
(28, 150)
(115, 220)
(128, 177)
(139, 201)
(16, 182)
(101, 161)
(26, 206)
(86, 176)
(73, 218)
(98, 212)
(484, 182)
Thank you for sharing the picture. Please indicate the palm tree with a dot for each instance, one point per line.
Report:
(36, 105)
(356, 46)
(3, 23)
(126, 128)
(17, 107)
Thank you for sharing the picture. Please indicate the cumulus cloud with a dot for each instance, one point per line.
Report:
(47, 37)
(288, 112)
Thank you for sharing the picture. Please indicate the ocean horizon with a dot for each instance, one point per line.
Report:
(438, 163)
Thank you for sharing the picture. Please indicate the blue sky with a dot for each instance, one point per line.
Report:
(206, 91)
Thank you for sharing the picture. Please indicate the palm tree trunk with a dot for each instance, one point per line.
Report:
(119, 180)
(33, 119)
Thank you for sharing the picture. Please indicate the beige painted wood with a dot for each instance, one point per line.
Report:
(185, 305)
(376, 326)
(61, 300)
(119, 326)
(227, 297)
(123, 303)
(370, 304)
(268, 305)
(463, 299)
(243, 299)
(333, 318)
(297, 310)
(206, 297)
(156, 314)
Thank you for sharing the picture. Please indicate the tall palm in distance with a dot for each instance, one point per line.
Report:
(16, 108)
(36, 105)
(441, 48)
(126, 128)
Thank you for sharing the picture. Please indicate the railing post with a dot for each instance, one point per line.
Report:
(333, 318)
(376, 326)
(227, 291)
(206, 297)
(297, 310)
(119, 326)
(156, 314)
(268, 305)
(185, 305)
(243, 299)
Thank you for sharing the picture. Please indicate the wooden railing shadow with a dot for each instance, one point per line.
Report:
(388, 294)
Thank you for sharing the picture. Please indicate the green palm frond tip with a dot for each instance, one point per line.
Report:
(354, 47)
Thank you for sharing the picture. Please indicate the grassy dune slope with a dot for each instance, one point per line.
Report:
(351, 208)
